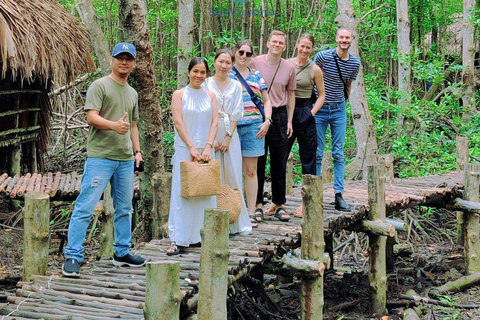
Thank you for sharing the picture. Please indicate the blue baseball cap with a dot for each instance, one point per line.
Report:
(124, 47)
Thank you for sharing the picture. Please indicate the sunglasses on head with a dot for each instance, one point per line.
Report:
(242, 52)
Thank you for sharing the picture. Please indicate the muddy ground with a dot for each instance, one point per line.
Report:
(436, 258)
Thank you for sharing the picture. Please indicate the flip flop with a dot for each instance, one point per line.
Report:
(258, 214)
(174, 247)
(281, 214)
(253, 221)
(299, 212)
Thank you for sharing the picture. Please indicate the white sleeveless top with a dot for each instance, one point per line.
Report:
(197, 117)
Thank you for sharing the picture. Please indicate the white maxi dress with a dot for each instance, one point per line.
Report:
(187, 214)
(230, 108)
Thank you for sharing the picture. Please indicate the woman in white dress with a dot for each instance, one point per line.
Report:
(195, 117)
(229, 96)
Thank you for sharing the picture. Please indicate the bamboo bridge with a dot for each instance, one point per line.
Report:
(104, 291)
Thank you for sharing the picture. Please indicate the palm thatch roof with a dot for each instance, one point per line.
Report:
(40, 39)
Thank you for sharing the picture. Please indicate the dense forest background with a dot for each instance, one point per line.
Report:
(421, 134)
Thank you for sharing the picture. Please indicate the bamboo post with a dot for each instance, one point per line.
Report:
(377, 277)
(162, 294)
(106, 235)
(313, 246)
(14, 166)
(462, 152)
(472, 223)
(289, 181)
(36, 235)
(212, 292)
(327, 167)
(463, 155)
(161, 204)
(389, 254)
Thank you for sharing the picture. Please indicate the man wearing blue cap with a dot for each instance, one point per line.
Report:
(112, 150)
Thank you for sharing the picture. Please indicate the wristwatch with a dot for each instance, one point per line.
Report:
(269, 119)
(229, 134)
(138, 151)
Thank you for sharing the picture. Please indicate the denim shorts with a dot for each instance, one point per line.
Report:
(251, 146)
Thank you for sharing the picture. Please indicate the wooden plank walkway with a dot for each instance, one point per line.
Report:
(60, 186)
(105, 291)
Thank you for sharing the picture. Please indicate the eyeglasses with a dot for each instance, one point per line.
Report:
(242, 52)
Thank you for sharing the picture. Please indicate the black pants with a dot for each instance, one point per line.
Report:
(276, 141)
(305, 130)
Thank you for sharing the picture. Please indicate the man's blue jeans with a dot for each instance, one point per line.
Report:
(97, 173)
(334, 115)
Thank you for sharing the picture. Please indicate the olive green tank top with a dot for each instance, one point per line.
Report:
(304, 79)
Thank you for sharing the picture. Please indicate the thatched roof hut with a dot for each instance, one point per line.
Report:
(41, 45)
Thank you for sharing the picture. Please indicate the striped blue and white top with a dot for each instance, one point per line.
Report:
(333, 84)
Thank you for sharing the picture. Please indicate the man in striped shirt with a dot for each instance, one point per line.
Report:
(339, 70)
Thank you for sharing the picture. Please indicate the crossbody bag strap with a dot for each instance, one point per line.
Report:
(303, 67)
(270, 87)
(249, 90)
(345, 92)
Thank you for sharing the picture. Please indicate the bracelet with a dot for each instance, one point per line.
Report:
(138, 151)
(210, 144)
(269, 119)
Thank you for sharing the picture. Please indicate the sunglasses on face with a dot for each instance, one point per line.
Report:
(242, 52)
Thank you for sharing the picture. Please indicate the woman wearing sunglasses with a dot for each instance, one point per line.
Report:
(254, 124)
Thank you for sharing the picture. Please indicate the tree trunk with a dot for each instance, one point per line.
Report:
(472, 222)
(262, 28)
(134, 21)
(403, 46)
(362, 120)
(313, 246)
(97, 38)
(36, 237)
(162, 294)
(468, 54)
(377, 277)
(206, 26)
(186, 27)
(212, 291)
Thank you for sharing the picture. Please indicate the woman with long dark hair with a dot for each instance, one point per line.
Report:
(227, 146)
(195, 117)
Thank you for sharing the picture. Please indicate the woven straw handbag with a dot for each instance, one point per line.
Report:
(200, 179)
(229, 199)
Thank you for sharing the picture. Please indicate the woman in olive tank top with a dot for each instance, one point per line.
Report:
(307, 103)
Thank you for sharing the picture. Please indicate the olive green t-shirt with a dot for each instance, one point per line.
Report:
(112, 100)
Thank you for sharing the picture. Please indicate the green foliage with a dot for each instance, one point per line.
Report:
(451, 312)
(424, 145)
